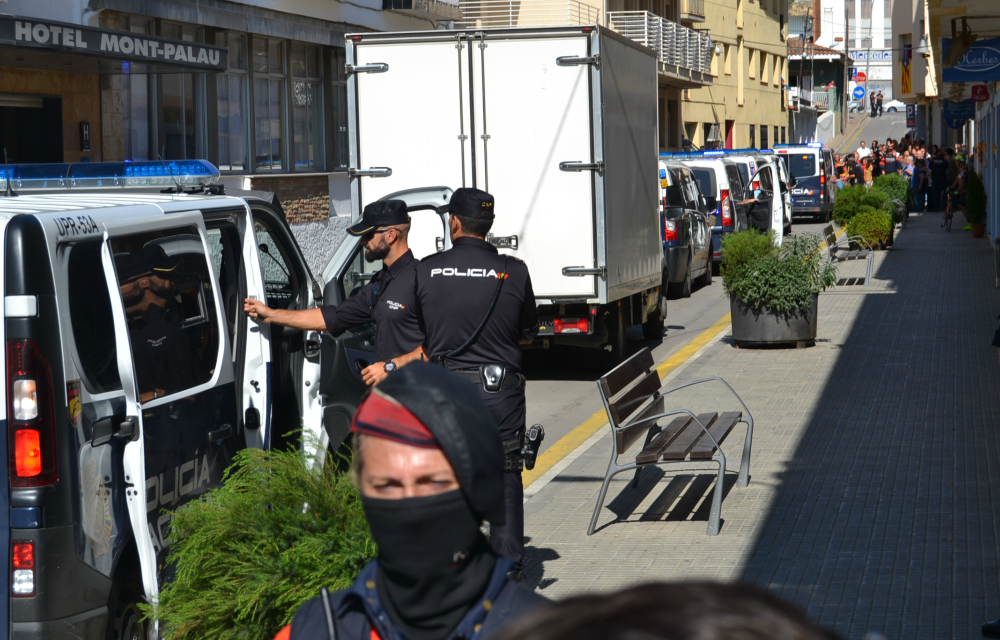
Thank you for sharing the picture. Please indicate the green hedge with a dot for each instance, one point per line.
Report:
(783, 279)
(250, 553)
(898, 189)
(873, 225)
(851, 199)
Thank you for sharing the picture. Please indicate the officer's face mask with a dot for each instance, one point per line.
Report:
(433, 561)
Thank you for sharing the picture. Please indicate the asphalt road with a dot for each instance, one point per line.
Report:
(562, 389)
(889, 125)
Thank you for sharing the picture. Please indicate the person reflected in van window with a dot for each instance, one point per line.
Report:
(163, 353)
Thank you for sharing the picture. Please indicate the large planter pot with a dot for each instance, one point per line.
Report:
(892, 236)
(978, 229)
(764, 327)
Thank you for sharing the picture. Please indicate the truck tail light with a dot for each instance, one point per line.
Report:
(31, 437)
(22, 564)
(725, 209)
(571, 326)
(669, 230)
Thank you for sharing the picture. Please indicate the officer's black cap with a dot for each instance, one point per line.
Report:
(384, 213)
(471, 203)
(151, 259)
(465, 431)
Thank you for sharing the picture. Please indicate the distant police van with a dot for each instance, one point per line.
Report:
(133, 376)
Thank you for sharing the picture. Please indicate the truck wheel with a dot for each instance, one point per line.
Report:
(652, 328)
(616, 338)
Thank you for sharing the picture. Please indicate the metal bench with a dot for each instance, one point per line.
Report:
(842, 253)
(635, 403)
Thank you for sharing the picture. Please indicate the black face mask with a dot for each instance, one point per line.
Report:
(433, 562)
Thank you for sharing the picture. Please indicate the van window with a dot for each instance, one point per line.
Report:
(166, 289)
(706, 180)
(90, 317)
(744, 172)
(802, 165)
(279, 284)
(735, 182)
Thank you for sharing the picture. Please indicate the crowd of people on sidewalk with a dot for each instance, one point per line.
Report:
(936, 174)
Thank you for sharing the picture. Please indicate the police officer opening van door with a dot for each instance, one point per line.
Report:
(476, 306)
(387, 300)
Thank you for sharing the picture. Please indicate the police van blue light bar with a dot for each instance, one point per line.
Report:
(110, 175)
(709, 153)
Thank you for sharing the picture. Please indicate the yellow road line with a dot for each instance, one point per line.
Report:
(847, 145)
(569, 442)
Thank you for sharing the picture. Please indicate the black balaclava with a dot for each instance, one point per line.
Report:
(434, 563)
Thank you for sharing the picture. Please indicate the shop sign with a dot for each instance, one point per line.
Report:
(981, 63)
(872, 56)
(104, 42)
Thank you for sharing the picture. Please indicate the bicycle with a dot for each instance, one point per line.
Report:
(949, 213)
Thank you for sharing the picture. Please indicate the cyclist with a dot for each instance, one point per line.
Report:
(956, 191)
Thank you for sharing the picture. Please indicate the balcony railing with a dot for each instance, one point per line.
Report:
(478, 14)
(820, 100)
(693, 10)
(675, 45)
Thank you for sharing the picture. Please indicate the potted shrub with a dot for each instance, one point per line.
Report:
(875, 226)
(774, 291)
(897, 188)
(975, 204)
(851, 199)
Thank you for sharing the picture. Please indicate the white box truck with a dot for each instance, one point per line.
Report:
(558, 124)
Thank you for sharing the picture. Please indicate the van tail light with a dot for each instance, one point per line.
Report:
(726, 209)
(669, 230)
(755, 185)
(22, 584)
(31, 434)
(571, 326)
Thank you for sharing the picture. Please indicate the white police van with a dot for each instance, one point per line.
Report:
(132, 375)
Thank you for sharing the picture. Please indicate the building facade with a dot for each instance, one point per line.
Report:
(745, 106)
(255, 87)
(870, 41)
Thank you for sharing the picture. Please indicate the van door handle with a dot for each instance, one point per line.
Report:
(220, 434)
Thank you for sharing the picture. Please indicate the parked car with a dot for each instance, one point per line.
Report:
(892, 106)
(720, 182)
(686, 229)
(811, 165)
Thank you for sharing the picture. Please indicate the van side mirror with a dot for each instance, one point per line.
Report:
(711, 203)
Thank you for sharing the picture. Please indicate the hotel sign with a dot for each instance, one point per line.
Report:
(119, 45)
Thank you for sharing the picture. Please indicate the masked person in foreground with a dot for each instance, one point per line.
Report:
(428, 462)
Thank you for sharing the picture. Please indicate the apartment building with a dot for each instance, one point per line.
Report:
(869, 43)
(745, 106)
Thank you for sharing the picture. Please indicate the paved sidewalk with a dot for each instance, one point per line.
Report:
(871, 501)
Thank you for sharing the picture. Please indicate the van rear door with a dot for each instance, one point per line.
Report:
(804, 166)
(175, 370)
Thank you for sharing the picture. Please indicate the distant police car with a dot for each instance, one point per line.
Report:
(132, 375)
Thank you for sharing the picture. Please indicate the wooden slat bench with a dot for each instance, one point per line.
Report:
(843, 252)
(635, 404)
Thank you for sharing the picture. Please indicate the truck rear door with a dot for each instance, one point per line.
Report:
(411, 118)
(528, 97)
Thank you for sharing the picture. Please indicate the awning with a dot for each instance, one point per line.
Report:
(43, 44)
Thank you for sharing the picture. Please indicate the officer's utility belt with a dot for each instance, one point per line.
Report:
(494, 377)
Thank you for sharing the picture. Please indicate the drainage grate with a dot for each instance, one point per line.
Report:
(847, 282)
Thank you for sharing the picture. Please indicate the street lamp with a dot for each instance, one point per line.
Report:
(924, 48)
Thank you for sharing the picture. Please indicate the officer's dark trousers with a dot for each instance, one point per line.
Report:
(508, 409)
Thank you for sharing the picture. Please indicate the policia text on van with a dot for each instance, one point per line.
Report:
(132, 378)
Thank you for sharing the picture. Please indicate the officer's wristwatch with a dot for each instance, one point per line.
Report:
(390, 366)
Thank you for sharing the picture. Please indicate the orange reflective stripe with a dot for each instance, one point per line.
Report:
(284, 634)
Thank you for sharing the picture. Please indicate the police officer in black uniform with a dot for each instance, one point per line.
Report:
(387, 299)
(475, 307)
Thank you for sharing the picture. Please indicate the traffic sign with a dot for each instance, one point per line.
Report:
(862, 76)
(859, 93)
(911, 115)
